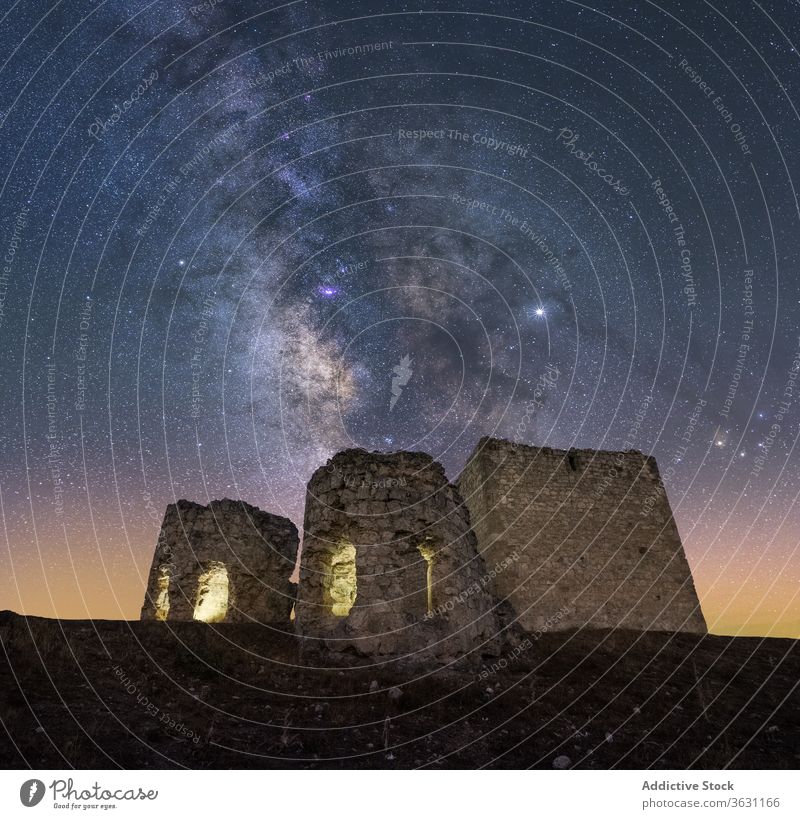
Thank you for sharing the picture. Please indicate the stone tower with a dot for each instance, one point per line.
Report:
(594, 532)
(226, 562)
(389, 563)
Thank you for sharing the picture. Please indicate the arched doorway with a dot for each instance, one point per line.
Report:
(211, 602)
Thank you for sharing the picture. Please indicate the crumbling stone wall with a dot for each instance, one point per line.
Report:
(389, 563)
(225, 562)
(594, 532)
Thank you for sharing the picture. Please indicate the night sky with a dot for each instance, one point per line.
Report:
(227, 229)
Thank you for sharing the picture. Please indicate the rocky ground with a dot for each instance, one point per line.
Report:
(104, 694)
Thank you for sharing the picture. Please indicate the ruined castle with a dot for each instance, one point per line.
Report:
(397, 561)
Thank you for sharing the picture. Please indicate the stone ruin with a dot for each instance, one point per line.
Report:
(227, 562)
(594, 532)
(390, 564)
(398, 562)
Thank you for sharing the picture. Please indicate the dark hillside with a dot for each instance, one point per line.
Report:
(103, 694)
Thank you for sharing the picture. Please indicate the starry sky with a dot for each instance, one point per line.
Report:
(238, 237)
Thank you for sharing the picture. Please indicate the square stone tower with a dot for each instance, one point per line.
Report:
(227, 562)
(389, 563)
(596, 541)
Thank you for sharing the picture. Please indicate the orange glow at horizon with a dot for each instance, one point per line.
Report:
(101, 573)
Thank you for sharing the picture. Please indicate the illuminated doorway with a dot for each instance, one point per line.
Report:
(211, 603)
(341, 581)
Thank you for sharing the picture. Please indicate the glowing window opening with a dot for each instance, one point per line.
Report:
(342, 582)
(429, 556)
(162, 593)
(211, 603)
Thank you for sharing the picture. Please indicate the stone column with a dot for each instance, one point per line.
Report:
(389, 563)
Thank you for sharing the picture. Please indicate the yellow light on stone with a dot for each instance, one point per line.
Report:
(429, 555)
(343, 585)
(211, 604)
(162, 593)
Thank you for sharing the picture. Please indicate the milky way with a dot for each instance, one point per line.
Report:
(237, 239)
